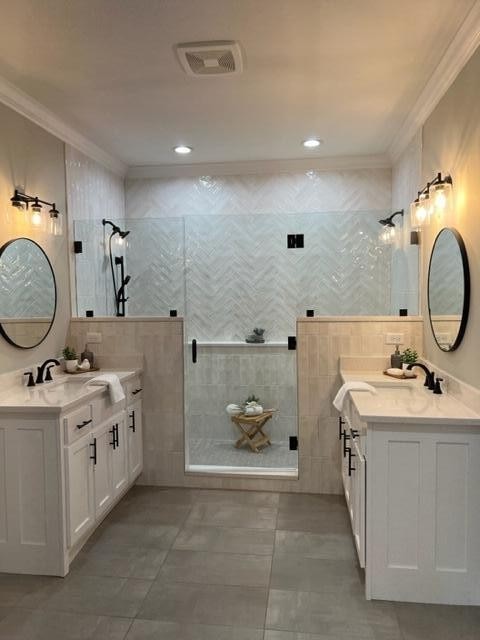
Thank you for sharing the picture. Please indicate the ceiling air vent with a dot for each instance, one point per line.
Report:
(203, 59)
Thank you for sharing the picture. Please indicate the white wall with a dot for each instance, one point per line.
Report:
(451, 144)
(34, 159)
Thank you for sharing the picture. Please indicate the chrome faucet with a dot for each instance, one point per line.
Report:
(429, 375)
(44, 370)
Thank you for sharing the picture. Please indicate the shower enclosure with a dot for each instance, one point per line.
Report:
(228, 275)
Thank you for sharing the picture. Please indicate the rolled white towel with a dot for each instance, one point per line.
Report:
(351, 386)
(112, 381)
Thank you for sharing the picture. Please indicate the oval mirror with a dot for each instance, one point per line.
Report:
(448, 289)
(28, 293)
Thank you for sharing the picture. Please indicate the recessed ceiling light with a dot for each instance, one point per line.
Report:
(182, 149)
(311, 143)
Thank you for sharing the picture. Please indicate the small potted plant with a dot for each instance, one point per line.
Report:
(71, 359)
(252, 406)
(409, 356)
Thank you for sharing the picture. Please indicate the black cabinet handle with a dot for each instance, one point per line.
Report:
(194, 351)
(94, 445)
(354, 433)
(83, 424)
(345, 438)
(132, 426)
(113, 443)
(341, 422)
(134, 393)
(350, 456)
(117, 441)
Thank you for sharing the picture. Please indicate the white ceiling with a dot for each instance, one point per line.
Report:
(347, 71)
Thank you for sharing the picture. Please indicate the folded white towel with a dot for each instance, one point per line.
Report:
(112, 381)
(351, 386)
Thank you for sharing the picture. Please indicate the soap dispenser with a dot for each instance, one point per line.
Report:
(87, 355)
(396, 358)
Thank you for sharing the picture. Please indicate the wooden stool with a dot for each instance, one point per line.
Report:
(251, 428)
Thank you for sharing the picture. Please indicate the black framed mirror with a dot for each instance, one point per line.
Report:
(28, 293)
(448, 289)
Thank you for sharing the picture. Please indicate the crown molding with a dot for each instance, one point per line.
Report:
(458, 53)
(31, 109)
(338, 163)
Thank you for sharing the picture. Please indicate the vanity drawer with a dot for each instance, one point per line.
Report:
(103, 408)
(78, 423)
(134, 390)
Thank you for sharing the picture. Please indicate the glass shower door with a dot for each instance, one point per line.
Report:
(233, 285)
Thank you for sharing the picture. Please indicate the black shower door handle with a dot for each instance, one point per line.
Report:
(194, 351)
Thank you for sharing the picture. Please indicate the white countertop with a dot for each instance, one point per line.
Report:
(406, 401)
(62, 394)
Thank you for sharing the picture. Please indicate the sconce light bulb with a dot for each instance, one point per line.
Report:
(421, 213)
(440, 199)
(36, 218)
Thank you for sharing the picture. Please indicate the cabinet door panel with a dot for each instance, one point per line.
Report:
(103, 469)
(80, 491)
(135, 440)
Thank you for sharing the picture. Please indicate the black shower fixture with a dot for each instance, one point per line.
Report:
(388, 222)
(115, 229)
(120, 297)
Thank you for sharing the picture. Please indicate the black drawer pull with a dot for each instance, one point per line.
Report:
(345, 438)
(133, 425)
(194, 351)
(94, 445)
(134, 393)
(350, 456)
(116, 435)
(341, 422)
(113, 443)
(84, 424)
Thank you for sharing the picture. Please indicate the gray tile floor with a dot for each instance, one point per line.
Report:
(174, 564)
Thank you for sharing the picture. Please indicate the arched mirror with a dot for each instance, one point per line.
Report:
(448, 289)
(28, 293)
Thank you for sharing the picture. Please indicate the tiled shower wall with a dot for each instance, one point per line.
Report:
(157, 346)
(93, 193)
(223, 375)
(232, 273)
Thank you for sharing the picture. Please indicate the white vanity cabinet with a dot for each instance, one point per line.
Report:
(61, 473)
(413, 496)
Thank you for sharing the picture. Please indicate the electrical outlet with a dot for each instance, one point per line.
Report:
(394, 338)
(94, 338)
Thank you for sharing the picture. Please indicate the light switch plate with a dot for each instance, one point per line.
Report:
(94, 338)
(394, 338)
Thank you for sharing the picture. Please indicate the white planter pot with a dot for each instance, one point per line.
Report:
(71, 365)
(407, 372)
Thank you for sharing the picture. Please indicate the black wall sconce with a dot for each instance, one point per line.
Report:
(434, 198)
(23, 201)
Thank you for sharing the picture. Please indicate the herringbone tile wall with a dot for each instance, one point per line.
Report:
(228, 274)
(258, 194)
(240, 273)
